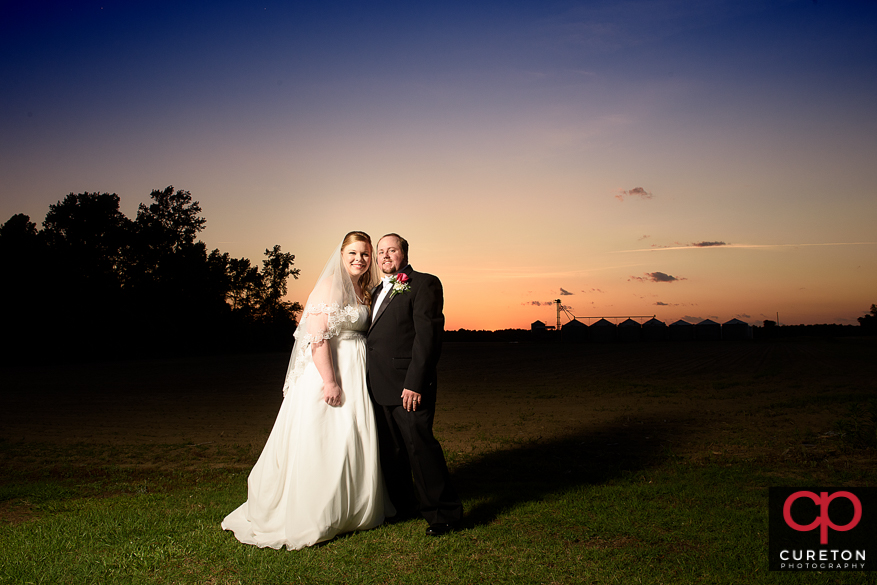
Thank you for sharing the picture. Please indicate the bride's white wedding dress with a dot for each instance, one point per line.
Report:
(319, 474)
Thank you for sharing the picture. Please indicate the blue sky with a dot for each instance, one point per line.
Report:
(522, 147)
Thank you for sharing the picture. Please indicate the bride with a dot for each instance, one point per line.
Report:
(319, 474)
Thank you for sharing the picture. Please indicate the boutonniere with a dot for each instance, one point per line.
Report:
(400, 284)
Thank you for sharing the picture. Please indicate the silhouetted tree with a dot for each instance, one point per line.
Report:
(869, 320)
(87, 238)
(20, 246)
(276, 269)
(245, 283)
(90, 236)
(93, 282)
(18, 230)
(24, 295)
(172, 219)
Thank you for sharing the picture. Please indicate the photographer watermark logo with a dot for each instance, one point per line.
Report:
(823, 529)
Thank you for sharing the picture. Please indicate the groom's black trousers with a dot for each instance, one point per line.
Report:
(409, 449)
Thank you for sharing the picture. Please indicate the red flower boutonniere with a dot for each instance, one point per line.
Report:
(400, 284)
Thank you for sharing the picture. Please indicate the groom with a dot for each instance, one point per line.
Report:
(404, 344)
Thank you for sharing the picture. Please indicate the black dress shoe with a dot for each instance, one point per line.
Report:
(439, 529)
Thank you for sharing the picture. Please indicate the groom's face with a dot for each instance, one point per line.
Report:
(391, 258)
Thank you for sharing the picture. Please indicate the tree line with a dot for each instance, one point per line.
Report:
(93, 283)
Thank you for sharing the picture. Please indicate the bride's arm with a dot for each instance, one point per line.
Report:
(317, 327)
(323, 362)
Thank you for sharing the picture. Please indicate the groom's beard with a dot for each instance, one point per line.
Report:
(394, 270)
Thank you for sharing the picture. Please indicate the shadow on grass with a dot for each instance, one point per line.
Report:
(500, 480)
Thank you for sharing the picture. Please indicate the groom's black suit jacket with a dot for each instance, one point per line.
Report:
(405, 341)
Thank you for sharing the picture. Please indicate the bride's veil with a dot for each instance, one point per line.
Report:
(332, 302)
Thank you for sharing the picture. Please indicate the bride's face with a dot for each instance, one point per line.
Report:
(356, 257)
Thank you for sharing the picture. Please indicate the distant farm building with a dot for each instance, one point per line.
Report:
(629, 330)
(602, 330)
(574, 332)
(681, 330)
(707, 330)
(540, 331)
(735, 329)
(654, 330)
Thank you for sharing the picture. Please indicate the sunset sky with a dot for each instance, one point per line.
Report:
(710, 159)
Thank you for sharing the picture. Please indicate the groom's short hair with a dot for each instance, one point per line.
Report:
(402, 242)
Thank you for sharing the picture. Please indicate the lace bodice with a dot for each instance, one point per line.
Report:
(359, 322)
(339, 321)
(335, 320)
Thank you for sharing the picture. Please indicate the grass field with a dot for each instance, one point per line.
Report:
(639, 463)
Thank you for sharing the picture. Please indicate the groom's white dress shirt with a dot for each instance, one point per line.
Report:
(385, 290)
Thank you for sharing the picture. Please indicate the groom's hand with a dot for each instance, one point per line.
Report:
(410, 400)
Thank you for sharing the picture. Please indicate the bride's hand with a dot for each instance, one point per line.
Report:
(332, 394)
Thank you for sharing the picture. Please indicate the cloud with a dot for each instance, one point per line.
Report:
(564, 292)
(656, 277)
(694, 246)
(592, 290)
(662, 304)
(548, 304)
(645, 237)
(635, 192)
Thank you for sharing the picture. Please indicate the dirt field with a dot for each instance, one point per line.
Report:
(750, 398)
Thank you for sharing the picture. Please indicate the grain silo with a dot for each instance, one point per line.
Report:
(629, 330)
(681, 330)
(735, 329)
(602, 330)
(707, 330)
(654, 330)
(574, 332)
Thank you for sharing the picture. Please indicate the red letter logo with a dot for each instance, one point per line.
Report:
(823, 521)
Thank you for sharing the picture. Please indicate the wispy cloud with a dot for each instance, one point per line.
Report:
(703, 245)
(656, 277)
(547, 304)
(564, 292)
(635, 192)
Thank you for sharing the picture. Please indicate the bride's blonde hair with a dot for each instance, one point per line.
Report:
(365, 280)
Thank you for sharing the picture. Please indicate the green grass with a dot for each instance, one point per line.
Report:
(600, 464)
(536, 513)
